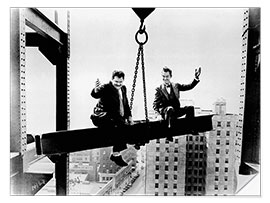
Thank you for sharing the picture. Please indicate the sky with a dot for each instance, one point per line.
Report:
(103, 40)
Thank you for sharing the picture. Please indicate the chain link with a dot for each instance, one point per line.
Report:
(135, 77)
(144, 86)
(140, 53)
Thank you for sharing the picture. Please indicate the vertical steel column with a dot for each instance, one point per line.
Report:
(249, 112)
(18, 138)
(18, 141)
(242, 85)
(62, 116)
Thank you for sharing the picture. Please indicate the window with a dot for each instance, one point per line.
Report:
(156, 185)
(227, 142)
(217, 151)
(165, 185)
(228, 124)
(176, 140)
(218, 142)
(219, 124)
(216, 187)
(217, 169)
(157, 158)
(227, 133)
(175, 150)
(174, 186)
(227, 151)
(174, 194)
(226, 169)
(218, 132)
(216, 178)
(165, 193)
(166, 177)
(156, 176)
(175, 177)
(225, 187)
(166, 158)
(217, 160)
(157, 167)
(166, 168)
(158, 141)
(157, 149)
(156, 193)
(226, 178)
(226, 160)
(175, 158)
(175, 168)
(201, 147)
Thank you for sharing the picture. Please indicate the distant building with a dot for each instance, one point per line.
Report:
(201, 164)
(222, 153)
(85, 162)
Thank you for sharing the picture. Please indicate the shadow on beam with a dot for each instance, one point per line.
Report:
(83, 139)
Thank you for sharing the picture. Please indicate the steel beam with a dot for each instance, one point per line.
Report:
(67, 141)
(42, 25)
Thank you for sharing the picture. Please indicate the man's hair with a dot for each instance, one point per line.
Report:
(118, 73)
(166, 69)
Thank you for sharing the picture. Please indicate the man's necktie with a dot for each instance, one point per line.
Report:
(121, 102)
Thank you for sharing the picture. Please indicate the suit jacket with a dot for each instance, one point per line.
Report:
(109, 100)
(162, 99)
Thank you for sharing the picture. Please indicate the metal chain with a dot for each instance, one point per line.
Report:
(135, 77)
(144, 86)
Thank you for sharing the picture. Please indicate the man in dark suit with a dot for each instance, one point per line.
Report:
(166, 102)
(112, 109)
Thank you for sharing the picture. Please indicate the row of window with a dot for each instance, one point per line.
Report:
(225, 187)
(218, 142)
(166, 168)
(196, 138)
(167, 158)
(200, 147)
(218, 151)
(226, 160)
(228, 124)
(167, 149)
(165, 185)
(196, 172)
(225, 178)
(219, 133)
(165, 194)
(196, 155)
(225, 169)
(157, 176)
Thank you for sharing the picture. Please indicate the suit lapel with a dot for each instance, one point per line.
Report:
(175, 90)
(164, 91)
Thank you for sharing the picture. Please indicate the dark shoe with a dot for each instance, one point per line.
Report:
(118, 160)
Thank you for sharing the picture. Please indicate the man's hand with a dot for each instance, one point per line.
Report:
(197, 73)
(130, 121)
(97, 85)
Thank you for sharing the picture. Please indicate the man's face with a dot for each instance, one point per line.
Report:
(117, 82)
(166, 77)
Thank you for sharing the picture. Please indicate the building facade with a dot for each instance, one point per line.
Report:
(203, 164)
(222, 161)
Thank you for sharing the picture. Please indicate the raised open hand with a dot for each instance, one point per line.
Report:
(197, 73)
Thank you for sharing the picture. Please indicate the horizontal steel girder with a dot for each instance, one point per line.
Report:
(43, 26)
(67, 141)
